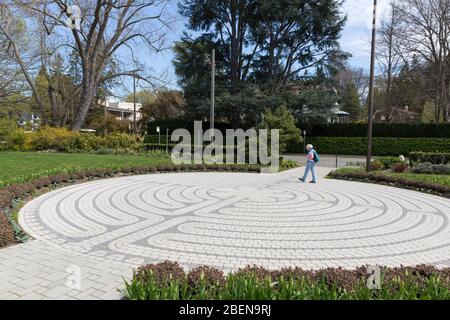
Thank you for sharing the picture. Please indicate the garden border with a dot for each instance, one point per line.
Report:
(398, 182)
(10, 196)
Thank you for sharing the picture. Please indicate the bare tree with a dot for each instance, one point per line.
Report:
(97, 31)
(389, 56)
(426, 35)
(356, 76)
(12, 39)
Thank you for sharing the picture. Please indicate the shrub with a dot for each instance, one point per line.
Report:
(210, 277)
(398, 130)
(391, 180)
(381, 146)
(84, 142)
(48, 138)
(62, 139)
(376, 165)
(388, 162)
(288, 164)
(6, 127)
(163, 272)
(429, 157)
(428, 168)
(120, 141)
(283, 120)
(400, 167)
(17, 140)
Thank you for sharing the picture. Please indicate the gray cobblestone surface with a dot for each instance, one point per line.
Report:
(228, 220)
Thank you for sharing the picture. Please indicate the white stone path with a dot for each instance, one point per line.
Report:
(99, 231)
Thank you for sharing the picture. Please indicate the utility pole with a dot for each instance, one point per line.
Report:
(134, 104)
(213, 85)
(371, 88)
(105, 115)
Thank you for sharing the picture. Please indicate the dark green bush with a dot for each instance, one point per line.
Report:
(428, 168)
(399, 130)
(389, 162)
(392, 180)
(181, 123)
(430, 157)
(376, 165)
(400, 167)
(381, 146)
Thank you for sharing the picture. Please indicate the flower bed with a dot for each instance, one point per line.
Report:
(168, 281)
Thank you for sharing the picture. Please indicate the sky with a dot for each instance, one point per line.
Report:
(355, 38)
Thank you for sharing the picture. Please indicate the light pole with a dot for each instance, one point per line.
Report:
(371, 88)
(134, 104)
(167, 141)
(158, 129)
(304, 140)
(213, 85)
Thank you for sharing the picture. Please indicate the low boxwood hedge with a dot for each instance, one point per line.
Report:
(428, 168)
(381, 146)
(400, 130)
(429, 157)
(380, 178)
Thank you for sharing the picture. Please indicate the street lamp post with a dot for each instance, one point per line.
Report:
(213, 85)
(304, 140)
(371, 88)
(134, 105)
(158, 130)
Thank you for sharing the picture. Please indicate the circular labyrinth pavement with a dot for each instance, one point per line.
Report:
(230, 220)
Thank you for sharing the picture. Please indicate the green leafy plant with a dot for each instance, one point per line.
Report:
(429, 157)
(167, 281)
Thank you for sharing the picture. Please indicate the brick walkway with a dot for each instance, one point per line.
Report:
(98, 231)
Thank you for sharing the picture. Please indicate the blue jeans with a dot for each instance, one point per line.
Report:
(310, 166)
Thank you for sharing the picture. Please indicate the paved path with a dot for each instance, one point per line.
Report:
(329, 160)
(99, 231)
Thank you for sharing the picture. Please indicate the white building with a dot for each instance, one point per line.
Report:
(123, 110)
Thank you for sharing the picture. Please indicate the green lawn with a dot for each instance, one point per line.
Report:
(432, 178)
(17, 167)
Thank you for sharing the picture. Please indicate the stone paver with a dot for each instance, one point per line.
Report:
(228, 220)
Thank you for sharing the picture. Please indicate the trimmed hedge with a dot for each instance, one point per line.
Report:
(400, 130)
(428, 168)
(381, 146)
(429, 157)
(169, 281)
(173, 124)
(421, 186)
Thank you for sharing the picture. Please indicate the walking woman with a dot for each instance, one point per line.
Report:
(312, 158)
